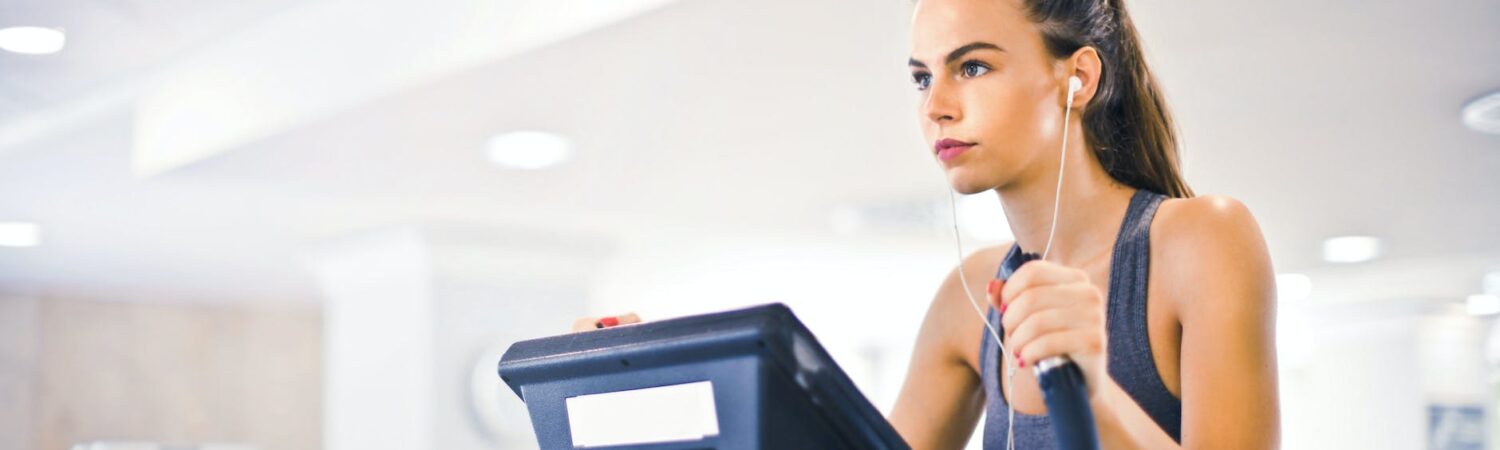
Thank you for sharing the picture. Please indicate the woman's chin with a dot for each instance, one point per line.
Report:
(970, 191)
(967, 186)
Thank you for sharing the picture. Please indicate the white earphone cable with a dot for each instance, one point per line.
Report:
(1010, 372)
(1062, 164)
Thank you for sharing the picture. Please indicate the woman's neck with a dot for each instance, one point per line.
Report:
(1093, 204)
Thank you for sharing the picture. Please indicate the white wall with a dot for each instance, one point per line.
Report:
(76, 369)
(378, 383)
(1362, 376)
(19, 331)
(864, 300)
(417, 320)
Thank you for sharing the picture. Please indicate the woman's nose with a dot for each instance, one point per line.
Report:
(939, 106)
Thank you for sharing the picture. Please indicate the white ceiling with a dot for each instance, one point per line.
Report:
(1338, 117)
(109, 40)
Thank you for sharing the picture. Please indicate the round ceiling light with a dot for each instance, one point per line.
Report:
(19, 234)
(1482, 304)
(32, 40)
(529, 150)
(1483, 114)
(1351, 249)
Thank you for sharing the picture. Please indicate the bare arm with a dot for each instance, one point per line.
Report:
(1223, 287)
(1228, 332)
(941, 400)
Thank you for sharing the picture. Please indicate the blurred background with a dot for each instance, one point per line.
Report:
(282, 224)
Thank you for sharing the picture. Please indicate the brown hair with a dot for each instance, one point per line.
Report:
(1127, 123)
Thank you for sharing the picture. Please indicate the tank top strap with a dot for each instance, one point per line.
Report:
(1131, 362)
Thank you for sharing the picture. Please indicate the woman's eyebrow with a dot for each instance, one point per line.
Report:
(959, 53)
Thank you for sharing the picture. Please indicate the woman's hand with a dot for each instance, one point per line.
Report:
(593, 323)
(1052, 310)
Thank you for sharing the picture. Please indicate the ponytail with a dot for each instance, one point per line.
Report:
(1127, 124)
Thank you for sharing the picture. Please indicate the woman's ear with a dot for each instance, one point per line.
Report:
(1088, 68)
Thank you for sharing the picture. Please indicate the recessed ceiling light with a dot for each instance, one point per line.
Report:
(1292, 287)
(529, 150)
(1482, 304)
(19, 234)
(1483, 114)
(1351, 249)
(32, 40)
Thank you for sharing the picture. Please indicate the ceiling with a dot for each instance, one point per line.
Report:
(109, 41)
(1333, 118)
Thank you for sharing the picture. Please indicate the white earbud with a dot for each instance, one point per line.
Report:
(1074, 85)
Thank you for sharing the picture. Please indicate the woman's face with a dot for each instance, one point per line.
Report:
(985, 78)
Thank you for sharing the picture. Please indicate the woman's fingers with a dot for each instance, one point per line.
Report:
(1074, 341)
(994, 290)
(1016, 310)
(1052, 320)
(1037, 274)
(594, 323)
(584, 324)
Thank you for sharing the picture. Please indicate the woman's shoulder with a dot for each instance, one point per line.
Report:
(951, 313)
(951, 332)
(984, 261)
(1191, 225)
(978, 268)
(1213, 240)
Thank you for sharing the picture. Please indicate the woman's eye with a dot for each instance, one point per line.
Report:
(973, 69)
(922, 80)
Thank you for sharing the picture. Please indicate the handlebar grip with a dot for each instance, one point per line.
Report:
(1066, 395)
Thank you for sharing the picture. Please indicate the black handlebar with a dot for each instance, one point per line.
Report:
(1063, 389)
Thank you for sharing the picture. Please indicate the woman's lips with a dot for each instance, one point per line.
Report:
(947, 149)
(950, 152)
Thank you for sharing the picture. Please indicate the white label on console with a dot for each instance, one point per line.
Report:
(681, 412)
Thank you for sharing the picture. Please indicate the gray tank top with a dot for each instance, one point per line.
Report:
(1130, 361)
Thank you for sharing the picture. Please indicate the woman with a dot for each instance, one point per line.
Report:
(1186, 360)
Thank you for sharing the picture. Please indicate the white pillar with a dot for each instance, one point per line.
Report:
(20, 326)
(416, 320)
(378, 332)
